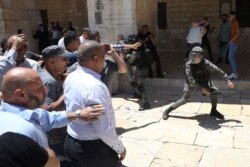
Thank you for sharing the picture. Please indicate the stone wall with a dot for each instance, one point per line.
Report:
(180, 13)
(65, 11)
(117, 17)
(112, 18)
(25, 14)
(171, 42)
(16, 14)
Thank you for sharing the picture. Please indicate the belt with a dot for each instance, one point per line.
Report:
(86, 141)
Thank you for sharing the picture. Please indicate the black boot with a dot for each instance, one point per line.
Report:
(144, 106)
(215, 113)
(137, 96)
(166, 113)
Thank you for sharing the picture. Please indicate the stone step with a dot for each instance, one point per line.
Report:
(176, 83)
(157, 84)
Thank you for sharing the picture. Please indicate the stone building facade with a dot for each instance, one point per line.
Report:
(169, 20)
(28, 14)
(127, 16)
(180, 14)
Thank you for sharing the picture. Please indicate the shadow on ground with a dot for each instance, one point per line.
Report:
(154, 102)
(121, 130)
(208, 122)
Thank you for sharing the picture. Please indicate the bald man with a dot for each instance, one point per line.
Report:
(23, 92)
(96, 143)
(18, 46)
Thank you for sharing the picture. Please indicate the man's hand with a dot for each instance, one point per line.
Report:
(112, 53)
(19, 41)
(205, 91)
(61, 77)
(123, 155)
(1, 95)
(91, 113)
(136, 45)
(230, 85)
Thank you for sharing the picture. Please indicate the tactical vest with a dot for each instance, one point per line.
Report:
(200, 73)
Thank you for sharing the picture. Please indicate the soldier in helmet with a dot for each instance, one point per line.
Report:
(197, 78)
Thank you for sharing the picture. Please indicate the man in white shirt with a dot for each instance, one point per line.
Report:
(85, 35)
(194, 37)
(91, 144)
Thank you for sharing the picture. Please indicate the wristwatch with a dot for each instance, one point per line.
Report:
(78, 112)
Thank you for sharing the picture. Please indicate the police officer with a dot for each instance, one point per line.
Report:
(142, 63)
(197, 78)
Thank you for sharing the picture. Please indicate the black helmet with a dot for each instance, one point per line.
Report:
(197, 50)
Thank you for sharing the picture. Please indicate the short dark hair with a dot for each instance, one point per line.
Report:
(3, 42)
(85, 29)
(224, 14)
(232, 13)
(69, 37)
(93, 35)
(205, 18)
(19, 31)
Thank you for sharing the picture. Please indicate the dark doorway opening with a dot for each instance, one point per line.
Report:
(243, 12)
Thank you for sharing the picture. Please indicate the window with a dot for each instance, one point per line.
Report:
(243, 12)
(162, 15)
(98, 17)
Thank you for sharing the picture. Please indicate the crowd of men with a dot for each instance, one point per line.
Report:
(61, 97)
(228, 38)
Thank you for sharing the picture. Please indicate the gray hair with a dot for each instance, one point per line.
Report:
(88, 50)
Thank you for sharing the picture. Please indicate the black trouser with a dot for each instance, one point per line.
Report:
(157, 61)
(187, 92)
(56, 143)
(107, 74)
(223, 50)
(142, 73)
(206, 43)
(91, 153)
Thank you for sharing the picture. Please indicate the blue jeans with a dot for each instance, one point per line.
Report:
(232, 57)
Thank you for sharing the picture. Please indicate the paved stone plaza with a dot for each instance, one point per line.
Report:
(190, 137)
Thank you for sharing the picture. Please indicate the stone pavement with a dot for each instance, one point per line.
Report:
(190, 137)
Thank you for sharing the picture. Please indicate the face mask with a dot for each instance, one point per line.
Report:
(196, 59)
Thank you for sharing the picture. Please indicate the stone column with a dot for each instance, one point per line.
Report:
(112, 18)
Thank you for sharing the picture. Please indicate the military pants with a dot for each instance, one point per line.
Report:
(142, 74)
(187, 92)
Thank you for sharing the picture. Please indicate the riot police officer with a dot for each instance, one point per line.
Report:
(197, 78)
(142, 63)
(139, 61)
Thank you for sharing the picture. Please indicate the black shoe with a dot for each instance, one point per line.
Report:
(166, 113)
(133, 84)
(160, 75)
(137, 96)
(215, 113)
(145, 106)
